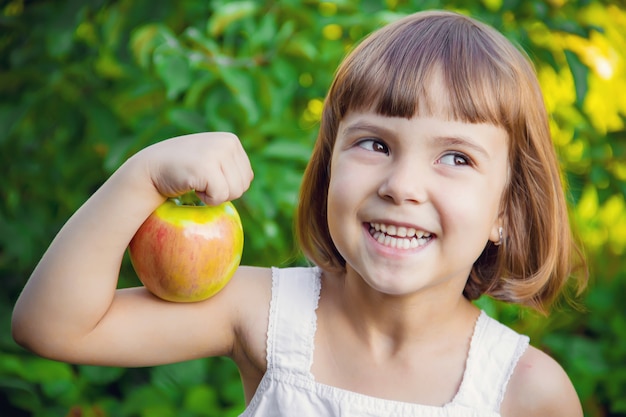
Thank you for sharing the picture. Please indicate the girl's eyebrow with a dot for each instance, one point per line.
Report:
(360, 126)
(461, 141)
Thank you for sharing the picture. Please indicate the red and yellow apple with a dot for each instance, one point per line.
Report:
(187, 253)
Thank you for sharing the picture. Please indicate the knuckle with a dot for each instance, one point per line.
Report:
(219, 196)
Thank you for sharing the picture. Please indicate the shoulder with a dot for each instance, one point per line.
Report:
(253, 291)
(250, 294)
(540, 387)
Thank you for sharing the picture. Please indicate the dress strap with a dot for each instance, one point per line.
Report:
(292, 319)
(494, 352)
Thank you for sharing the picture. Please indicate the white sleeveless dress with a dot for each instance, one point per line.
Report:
(289, 389)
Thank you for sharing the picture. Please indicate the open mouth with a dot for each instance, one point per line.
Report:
(399, 236)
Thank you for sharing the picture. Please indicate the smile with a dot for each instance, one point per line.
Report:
(399, 236)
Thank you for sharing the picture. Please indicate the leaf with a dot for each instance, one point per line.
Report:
(100, 375)
(118, 152)
(213, 110)
(568, 26)
(299, 45)
(60, 42)
(20, 393)
(200, 39)
(175, 376)
(103, 123)
(108, 66)
(264, 34)
(142, 43)
(201, 399)
(187, 120)
(580, 73)
(228, 13)
(41, 370)
(287, 150)
(174, 70)
(285, 32)
(241, 87)
(144, 400)
(61, 390)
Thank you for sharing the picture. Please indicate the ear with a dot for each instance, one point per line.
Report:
(497, 233)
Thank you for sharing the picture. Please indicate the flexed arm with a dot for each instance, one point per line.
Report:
(70, 309)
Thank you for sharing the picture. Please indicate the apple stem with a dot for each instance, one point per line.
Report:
(188, 199)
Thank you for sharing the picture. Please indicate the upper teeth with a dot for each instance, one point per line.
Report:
(399, 231)
(398, 236)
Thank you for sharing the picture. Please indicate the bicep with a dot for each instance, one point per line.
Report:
(540, 387)
(140, 329)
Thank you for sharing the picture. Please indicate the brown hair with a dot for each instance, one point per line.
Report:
(488, 81)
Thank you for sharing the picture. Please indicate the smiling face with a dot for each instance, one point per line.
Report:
(424, 70)
(413, 202)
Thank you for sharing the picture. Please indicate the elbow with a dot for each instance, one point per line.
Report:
(27, 333)
(41, 337)
(30, 338)
(20, 330)
(23, 324)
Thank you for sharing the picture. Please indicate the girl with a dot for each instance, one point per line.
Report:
(433, 181)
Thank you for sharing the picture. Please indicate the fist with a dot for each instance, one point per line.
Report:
(215, 165)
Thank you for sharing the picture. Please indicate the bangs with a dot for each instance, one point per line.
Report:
(392, 75)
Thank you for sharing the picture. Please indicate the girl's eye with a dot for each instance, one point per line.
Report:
(454, 159)
(374, 146)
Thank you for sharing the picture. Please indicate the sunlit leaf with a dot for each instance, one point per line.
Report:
(228, 13)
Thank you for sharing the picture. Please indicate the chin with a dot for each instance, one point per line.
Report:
(394, 287)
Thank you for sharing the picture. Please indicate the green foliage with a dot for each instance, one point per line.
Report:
(84, 85)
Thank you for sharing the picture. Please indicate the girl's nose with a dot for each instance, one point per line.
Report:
(404, 182)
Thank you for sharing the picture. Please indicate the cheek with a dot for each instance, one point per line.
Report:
(335, 215)
(342, 188)
(471, 212)
(339, 201)
(345, 196)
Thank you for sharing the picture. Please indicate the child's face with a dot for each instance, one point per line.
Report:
(435, 185)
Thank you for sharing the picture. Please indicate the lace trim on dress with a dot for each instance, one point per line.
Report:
(271, 327)
(494, 352)
(317, 287)
(468, 373)
(521, 347)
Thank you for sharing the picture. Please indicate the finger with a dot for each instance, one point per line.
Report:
(236, 169)
(240, 178)
(236, 178)
(245, 168)
(215, 188)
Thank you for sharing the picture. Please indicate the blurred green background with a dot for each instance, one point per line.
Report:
(85, 84)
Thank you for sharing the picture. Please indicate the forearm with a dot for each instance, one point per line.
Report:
(73, 285)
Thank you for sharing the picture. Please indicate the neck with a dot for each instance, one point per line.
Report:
(389, 323)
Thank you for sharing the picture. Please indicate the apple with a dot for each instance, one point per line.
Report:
(187, 253)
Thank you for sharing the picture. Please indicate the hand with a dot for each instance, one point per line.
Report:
(215, 165)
